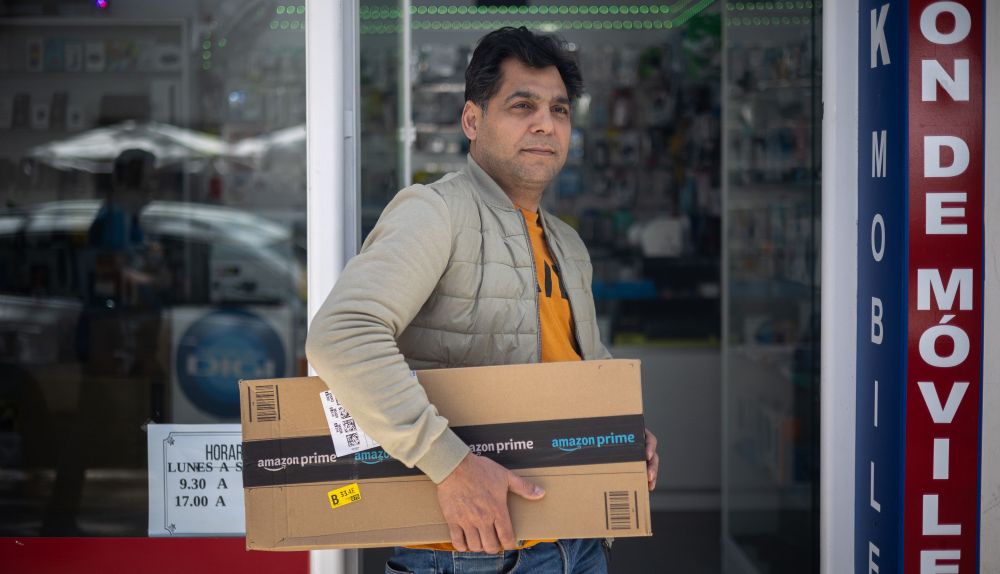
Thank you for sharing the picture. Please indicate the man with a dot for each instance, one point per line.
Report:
(468, 271)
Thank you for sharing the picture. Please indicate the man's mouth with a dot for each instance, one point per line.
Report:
(542, 151)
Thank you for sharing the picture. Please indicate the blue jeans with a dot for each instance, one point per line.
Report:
(560, 557)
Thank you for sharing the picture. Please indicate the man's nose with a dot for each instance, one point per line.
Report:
(543, 123)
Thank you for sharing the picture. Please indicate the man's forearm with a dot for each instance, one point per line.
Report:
(366, 372)
(352, 339)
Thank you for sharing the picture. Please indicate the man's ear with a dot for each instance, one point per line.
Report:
(471, 116)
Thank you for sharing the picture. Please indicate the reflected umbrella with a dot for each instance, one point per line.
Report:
(94, 151)
(292, 139)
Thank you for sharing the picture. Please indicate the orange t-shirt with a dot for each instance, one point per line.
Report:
(555, 316)
(554, 313)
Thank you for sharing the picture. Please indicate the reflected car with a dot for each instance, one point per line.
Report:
(225, 300)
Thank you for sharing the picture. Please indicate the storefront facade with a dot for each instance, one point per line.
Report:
(909, 424)
(694, 179)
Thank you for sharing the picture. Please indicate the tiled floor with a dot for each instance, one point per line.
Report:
(682, 543)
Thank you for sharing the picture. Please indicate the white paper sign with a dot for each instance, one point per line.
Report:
(348, 438)
(196, 480)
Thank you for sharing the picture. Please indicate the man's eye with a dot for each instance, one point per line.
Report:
(522, 105)
(561, 110)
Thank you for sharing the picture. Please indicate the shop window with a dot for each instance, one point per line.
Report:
(152, 177)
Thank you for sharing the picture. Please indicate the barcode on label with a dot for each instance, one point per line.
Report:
(619, 510)
(266, 400)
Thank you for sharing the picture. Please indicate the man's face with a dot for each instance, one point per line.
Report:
(522, 138)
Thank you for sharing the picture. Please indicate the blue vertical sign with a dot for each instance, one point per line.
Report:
(920, 276)
(882, 284)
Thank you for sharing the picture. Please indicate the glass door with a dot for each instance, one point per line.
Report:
(152, 240)
(642, 187)
(383, 72)
(771, 317)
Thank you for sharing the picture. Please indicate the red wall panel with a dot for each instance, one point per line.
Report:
(142, 555)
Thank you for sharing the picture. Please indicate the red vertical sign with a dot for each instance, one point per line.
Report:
(945, 274)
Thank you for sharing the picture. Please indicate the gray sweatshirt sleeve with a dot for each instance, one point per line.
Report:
(352, 338)
(602, 351)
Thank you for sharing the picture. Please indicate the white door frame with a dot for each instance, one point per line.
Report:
(839, 273)
(332, 178)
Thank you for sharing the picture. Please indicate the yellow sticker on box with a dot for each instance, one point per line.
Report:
(344, 495)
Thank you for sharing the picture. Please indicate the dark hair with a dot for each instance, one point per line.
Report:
(483, 76)
(132, 167)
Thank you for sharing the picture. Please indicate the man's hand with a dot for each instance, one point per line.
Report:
(474, 501)
(652, 460)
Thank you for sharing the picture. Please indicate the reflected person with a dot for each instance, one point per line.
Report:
(118, 341)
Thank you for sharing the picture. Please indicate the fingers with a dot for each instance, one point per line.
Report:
(653, 470)
(523, 488)
(473, 501)
(491, 543)
(505, 532)
(457, 538)
(491, 538)
(650, 445)
(652, 460)
(473, 542)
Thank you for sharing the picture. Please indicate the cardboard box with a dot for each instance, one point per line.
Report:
(575, 428)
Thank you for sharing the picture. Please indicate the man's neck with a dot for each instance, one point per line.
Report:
(520, 196)
(525, 202)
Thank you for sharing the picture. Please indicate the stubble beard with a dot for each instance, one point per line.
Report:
(535, 176)
(513, 174)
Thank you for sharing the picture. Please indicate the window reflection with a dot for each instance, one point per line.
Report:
(152, 239)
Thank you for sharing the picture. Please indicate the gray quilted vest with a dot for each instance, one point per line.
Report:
(484, 310)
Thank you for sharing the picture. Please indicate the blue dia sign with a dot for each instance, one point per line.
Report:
(221, 348)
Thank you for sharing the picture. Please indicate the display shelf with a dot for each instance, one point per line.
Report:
(127, 58)
(441, 87)
(28, 132)
(85, 23)
(766, 87)
(769, 288)
(770, 381)
(438, 129)
(104, 75)
(438, 162)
